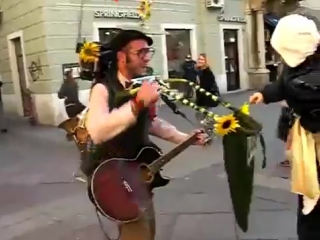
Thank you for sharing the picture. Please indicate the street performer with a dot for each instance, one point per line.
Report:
(122, 127)
(300, 88)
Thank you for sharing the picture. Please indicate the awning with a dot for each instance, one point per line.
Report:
(271, 20)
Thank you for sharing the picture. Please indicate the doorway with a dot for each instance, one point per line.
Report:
(21, 76)
(231, 56)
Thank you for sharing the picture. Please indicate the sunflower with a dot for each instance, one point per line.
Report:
(89, 52)
(145, 9)
(225, 124)
(245, 109)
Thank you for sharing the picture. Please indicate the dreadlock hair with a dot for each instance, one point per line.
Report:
(104, 68)
(107, 67)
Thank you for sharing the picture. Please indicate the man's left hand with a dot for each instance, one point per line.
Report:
(202, 137)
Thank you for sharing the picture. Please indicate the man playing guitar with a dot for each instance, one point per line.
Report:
(122, 128)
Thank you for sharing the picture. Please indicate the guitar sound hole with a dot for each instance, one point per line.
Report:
(146, 174)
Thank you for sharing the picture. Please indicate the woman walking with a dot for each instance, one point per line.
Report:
(207, 81)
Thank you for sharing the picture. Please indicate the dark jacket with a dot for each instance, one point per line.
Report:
(207, 82)
(280, 90)
(274, 92)
(69, 90)
(189, 71)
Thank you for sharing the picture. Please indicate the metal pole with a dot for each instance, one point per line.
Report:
(79, 40)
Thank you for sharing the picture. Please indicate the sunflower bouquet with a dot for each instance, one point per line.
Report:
(240, 134)
(89, 53)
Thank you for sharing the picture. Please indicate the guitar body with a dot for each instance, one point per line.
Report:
(121, 188)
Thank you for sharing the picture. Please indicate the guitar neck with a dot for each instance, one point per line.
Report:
(164, 159)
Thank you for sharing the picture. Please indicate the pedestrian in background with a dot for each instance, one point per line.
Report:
(207, 81)
(189, 73)
(3, 128)
(69, 91)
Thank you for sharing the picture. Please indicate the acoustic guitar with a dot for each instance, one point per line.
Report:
(121, 188)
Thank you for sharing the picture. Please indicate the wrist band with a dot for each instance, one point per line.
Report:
(136, 106)
(138, 102)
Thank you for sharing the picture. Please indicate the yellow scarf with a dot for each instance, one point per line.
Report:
(303, 153)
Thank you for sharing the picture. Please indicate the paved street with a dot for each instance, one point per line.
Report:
(39, 200)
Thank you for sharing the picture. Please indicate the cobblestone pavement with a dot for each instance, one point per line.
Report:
(39, 200)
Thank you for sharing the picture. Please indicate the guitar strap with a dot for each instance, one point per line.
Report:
(103, 231)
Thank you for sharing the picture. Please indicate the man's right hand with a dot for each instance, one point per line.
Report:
(148, 94)
(256, 98)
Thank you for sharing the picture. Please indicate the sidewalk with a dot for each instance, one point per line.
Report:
(197, 206)
(39, 201)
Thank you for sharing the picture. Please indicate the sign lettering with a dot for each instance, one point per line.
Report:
(237, 19)
(116, 14)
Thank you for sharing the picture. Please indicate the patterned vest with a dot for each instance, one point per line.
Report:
(125, 145)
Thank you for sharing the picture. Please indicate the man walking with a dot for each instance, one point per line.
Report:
(121, 128)
(190, 74)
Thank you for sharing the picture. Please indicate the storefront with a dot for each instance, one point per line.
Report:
(173, 41)
(37, 55)
(272, 57)
(231, 36)
(40, 46)
(225, 44)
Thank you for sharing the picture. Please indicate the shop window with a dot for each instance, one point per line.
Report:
(107, 34)
(178, 47)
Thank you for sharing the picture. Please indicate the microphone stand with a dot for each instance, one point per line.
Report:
(175, 108)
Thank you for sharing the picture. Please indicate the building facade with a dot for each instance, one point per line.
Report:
(262, 16)
(222, 31)
(38, 40)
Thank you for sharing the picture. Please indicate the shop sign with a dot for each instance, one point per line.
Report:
(116, 14)
(236, 19)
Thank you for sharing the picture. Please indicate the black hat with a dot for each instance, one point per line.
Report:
(125, 37)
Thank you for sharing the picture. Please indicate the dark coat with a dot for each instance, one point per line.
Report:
(207, 82)
(69, 91)
(279, 91)
(189, 71)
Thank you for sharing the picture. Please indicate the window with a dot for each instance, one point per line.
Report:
(178, 47)
(107, 34)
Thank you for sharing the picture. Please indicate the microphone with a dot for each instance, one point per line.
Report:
(170, 104)
(174, 108)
